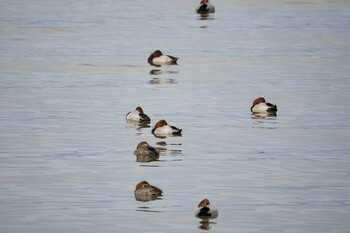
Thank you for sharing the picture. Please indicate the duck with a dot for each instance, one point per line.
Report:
(158, 58)
(137, 116)
(162, 129)
(206, 210)
(205, 7)
(260, 106)
(146, 153)
(146, 192)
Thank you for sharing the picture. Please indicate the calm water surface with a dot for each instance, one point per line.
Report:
(70, 71)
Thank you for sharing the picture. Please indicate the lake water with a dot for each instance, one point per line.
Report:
(71, 70)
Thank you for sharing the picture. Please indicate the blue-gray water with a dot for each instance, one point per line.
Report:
(71, 70)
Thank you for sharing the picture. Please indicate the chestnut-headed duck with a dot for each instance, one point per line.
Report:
(205, 210)
(146, 192)
(260, 105)
(205, 7)
(146, 153)
(137, 116)
(158, 58)
(162, 129)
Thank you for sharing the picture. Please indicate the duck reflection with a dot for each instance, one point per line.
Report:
(205, 224)
(162, 81)
(145, 192)
(164, 151)
(263, 115)
(266, 120)
(147, 209)
(206, 16)
(158, 72)
(138, 125)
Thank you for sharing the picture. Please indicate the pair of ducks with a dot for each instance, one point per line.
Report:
(259, 105)
(161, 129)
(146, 192)
(146, 153)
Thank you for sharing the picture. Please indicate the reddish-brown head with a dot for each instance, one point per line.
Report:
(141, 185)
(204, 1)
(142, 144)
(203, 203)
(259, 100)
(160, 123)
(155, 54)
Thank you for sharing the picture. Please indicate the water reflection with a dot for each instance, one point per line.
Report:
(263, 115)
(162, 81)
(158, 72)
(138, 126)
(169, 135)
(147, 209)
(206, 16)
(205, 224)
(265, 120)
(165, 151)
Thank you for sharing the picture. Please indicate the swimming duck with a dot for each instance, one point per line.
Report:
(146, 153)
(260, 105)
(137, 116)
(162, 129)
(158, 58)
(205, 210)
(205, 7)
(146, 192)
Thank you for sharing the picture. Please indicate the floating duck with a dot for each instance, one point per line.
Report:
(205, 7)
(146, 192)
(146, 153)
(205, 210)
(158, 58)
(162, 129)
(260, 106)
(137, 116)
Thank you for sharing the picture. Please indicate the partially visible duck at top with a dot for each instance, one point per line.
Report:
(205, 7)
(146, 192)
(146, 153)
(260, 106)
(162, 129)
(157, 58)
(137, 116)
(206, 210)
